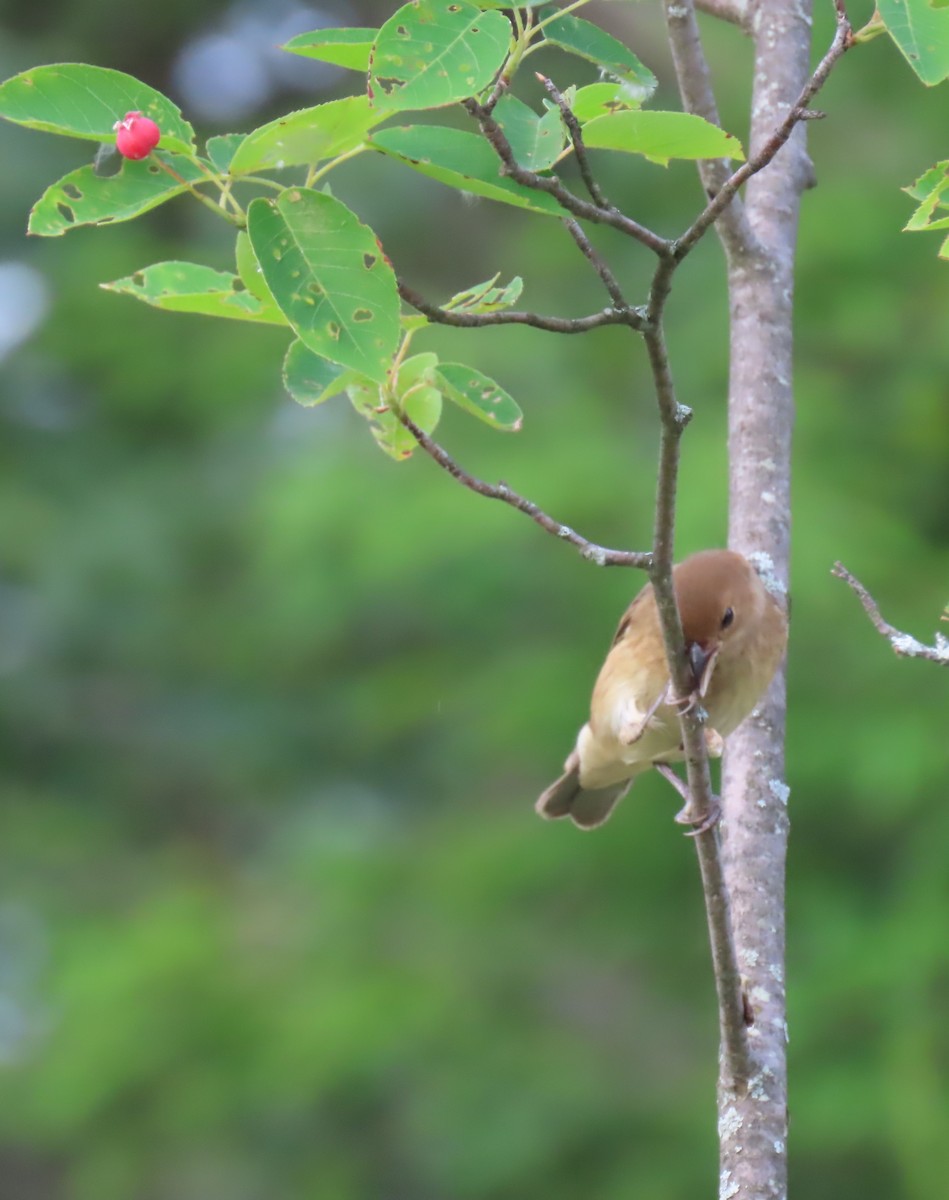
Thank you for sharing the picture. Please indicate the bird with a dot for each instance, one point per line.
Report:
(735, 635)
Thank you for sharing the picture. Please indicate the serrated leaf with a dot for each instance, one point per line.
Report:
(85, 198)
(82, 101)
(329, 276)
(660, 136)
(476, 393)
(461, 160)
(423, 406)
(602, 99)
(537, 142)
(589, 41)
(311, 379)
(220, 150)
(485, 297)
(922, 34)
(342, 47)
(194, 288)
(306, 136)
(434, 52)
(932, 190)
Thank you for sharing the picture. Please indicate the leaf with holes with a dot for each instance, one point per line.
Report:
(485, 297)
(537, 142)
(602, 99)
(660, 136)
(330, 277)
(341, 47)
(423, 406)
(84, 198)
(194, 288)
(434, 52)
(588, 41)
(311, 379)
(85, 102)
(479, 395)
(306, 136)
(921, 30)
(461, 160)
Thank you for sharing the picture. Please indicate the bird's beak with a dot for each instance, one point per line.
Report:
(702, 660)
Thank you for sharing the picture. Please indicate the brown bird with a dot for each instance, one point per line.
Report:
(735, 634)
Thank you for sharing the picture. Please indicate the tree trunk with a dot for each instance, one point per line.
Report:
(753, 1125)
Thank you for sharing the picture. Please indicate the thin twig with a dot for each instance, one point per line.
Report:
(607, 278)
(462, 320)
(576, 139)
(903, 644)
(674, 417)
(551, 184)
(843, 40)
(600, 555)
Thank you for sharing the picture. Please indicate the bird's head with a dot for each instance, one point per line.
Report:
(721, 602)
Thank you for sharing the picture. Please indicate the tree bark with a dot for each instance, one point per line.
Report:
(753, 1124)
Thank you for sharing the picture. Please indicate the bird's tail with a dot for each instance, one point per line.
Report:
(586, 807)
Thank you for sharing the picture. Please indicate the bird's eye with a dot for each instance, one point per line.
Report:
(728, 618)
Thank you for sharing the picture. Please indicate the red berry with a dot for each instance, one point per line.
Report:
(136, 136)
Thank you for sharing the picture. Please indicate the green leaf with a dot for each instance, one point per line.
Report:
(220, 150)
(479, 395)
(423, 406)
(590, 42)
(485, 297)
(248, 268)
(932, 190)
(342, 47)
(922, 34)
(433, 52)
(537, 142)
(311, 379)
(330, 277)
(461, 160)
(602, 99)
(306, 136)
(660, 136)
(418, 390)
(194, 288)
(84, 198)
(85, 102)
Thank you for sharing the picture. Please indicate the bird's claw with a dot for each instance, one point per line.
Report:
(700, 822)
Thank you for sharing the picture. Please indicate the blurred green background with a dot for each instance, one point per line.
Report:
(276, 916)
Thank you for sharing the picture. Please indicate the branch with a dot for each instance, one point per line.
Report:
(574, 205)
(462, 320)
(576, 139)
(737, 12)
(904, 644)
(695, 87)
(607, 278)
(843, 40)
(594, 553)
(736, 1055)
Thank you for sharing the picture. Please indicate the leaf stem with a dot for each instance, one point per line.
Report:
(205, 200)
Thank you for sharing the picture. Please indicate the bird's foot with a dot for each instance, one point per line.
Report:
(701, 822)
